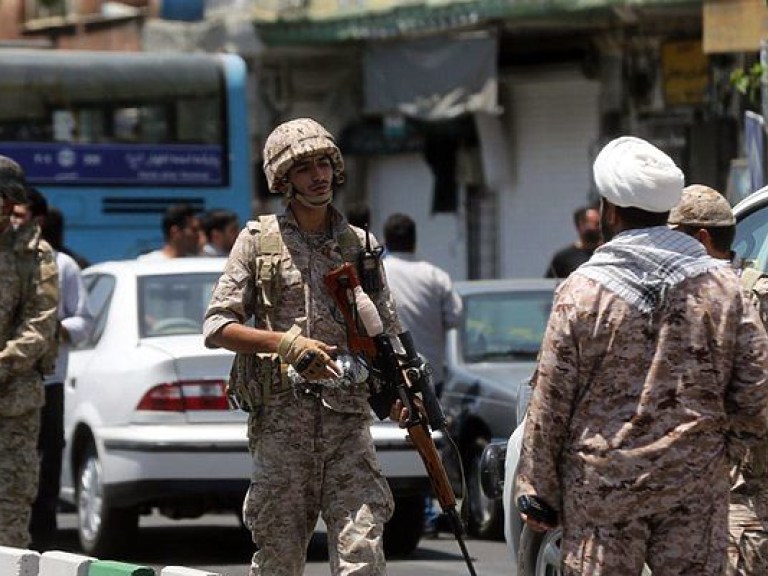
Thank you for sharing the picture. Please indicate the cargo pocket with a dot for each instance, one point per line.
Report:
(381, 501)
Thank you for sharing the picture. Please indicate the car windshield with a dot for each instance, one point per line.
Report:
(504, 326)
(751, 235)
(173, 303)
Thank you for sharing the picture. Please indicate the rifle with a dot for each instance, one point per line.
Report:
(398, 377)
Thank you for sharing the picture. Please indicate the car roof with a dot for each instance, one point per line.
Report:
(748, 204)
(466, 287)
(151, 267)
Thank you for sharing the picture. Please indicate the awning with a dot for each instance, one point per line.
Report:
(327, 21)
(435, 78)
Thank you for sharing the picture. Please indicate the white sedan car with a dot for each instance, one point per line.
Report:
(147, 423)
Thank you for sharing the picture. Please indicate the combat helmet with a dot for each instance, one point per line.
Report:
(12, 184)
(293, 140)
(702, 206)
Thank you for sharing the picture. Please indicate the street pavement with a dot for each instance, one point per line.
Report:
(218, 543)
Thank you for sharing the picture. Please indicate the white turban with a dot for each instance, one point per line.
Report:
(630, 172)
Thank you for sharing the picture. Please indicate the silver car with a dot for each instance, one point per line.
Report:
(487, 356)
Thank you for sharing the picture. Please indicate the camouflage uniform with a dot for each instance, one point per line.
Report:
(312, 451)
(28, 300)
(748, 511)
(630, 422)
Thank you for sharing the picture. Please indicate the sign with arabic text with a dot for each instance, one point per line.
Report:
(56, 163)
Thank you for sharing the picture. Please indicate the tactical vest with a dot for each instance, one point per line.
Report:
(255, 378)
(27, 265)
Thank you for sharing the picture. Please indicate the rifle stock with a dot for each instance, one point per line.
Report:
(431, 458)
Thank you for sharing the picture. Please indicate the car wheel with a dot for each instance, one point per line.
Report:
(103, 530)
(539, 553)
(403, 531)
(486, 516)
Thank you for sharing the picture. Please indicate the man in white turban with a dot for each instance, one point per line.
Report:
(651, 372)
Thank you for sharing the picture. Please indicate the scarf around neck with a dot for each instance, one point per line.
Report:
(641, 265)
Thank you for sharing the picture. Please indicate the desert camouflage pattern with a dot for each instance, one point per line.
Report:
(631, 416)
(689, 539)
(28, 299)
(12, 180)
(309, 459)
(303, 298)
(748, 512)
(312, 451)
(702, 206)
(18, 476)
(293, 141)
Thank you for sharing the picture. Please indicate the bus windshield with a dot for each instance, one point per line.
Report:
(113, 138)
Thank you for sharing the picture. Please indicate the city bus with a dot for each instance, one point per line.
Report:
(114, 138)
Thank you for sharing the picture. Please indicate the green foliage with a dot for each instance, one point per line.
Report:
(747, 82)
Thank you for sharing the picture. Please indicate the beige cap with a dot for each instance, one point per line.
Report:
(702, 206)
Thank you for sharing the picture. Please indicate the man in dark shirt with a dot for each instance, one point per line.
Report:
(565, 261)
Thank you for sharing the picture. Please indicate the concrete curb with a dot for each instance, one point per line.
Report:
(20, 562)
(56, 563)
(181, 571)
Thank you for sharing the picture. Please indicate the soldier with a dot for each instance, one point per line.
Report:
(653, 366)
(706, 215)
(75, 325)
(309, 435)
(28, 299)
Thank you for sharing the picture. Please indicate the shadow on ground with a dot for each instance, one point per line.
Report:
(218, 545)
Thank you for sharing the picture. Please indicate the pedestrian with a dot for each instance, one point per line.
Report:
(587, 223)
(309, 435)
(652, 369)
(427, 306)
(75, 325)
(706, 215)
(220, 227)
(28, 298)
(52, 228)
(359, 215)
(181, 232)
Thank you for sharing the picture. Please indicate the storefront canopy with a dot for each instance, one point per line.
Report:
(327, 21)
(435, 78)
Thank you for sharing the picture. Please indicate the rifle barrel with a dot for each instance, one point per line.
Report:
(457, 532)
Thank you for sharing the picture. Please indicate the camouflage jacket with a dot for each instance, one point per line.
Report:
(629, 416)
(750, 487)
(28, 301)
(301, 297)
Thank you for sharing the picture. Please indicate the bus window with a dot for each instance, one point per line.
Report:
(113, 139)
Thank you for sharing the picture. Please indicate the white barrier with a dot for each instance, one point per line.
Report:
(57, 563)
(17, 562)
